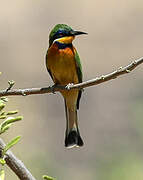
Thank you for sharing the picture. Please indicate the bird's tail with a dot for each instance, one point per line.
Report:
(73, 138)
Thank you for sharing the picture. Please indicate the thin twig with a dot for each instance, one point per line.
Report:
(16, 165)
(92, 82)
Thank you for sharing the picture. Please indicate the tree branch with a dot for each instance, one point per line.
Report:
(92, 82)
(16, 165)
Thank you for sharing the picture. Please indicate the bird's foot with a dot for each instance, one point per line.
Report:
(69, 86)
(53, 88)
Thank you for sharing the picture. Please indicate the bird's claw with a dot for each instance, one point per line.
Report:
(69, 86)
(53, 89)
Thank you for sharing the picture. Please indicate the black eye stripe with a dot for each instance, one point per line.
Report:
(60, 33)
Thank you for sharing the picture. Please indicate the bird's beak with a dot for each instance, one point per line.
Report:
(75, 33)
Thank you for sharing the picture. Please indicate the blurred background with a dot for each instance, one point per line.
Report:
(111, 114)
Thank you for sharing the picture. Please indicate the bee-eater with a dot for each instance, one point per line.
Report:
(64, 67)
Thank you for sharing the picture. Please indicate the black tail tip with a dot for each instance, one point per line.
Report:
(73, 139)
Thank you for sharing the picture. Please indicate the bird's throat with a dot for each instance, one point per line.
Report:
(65, 40)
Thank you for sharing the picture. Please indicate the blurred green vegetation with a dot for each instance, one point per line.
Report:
(7, 119)
(120, 167)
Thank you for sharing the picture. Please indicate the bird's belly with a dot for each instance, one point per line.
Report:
(63, 69)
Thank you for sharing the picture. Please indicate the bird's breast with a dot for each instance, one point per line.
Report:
(62, 65)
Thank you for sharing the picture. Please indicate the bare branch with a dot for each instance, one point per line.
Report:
(92, 82)
(16, 165)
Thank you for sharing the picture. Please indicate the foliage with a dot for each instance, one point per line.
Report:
(47, 177)
(8, 120)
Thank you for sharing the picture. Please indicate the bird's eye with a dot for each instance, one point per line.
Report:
(61, 34)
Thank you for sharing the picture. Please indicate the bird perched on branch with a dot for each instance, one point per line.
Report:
(64, 67)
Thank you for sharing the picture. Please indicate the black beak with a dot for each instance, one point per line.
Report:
(75, 33)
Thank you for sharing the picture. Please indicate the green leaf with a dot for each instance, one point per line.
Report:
(2, 113)
(12, 112)
(2, 161)
(2, 106)
(5, 128)
(11, 143)
(6, 124)
(3, 99)
(2, 174)
(47, 177)
(10, 120)
(2, 117)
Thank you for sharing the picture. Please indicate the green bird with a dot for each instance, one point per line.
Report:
(64, 67)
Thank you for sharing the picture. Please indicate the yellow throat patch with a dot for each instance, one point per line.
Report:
(65, 40)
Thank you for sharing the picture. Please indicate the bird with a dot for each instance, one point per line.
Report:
(64, 66)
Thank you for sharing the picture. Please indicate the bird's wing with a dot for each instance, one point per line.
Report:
(79, 73)
(78, 66)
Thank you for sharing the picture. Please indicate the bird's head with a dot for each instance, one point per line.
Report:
(63, 34)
